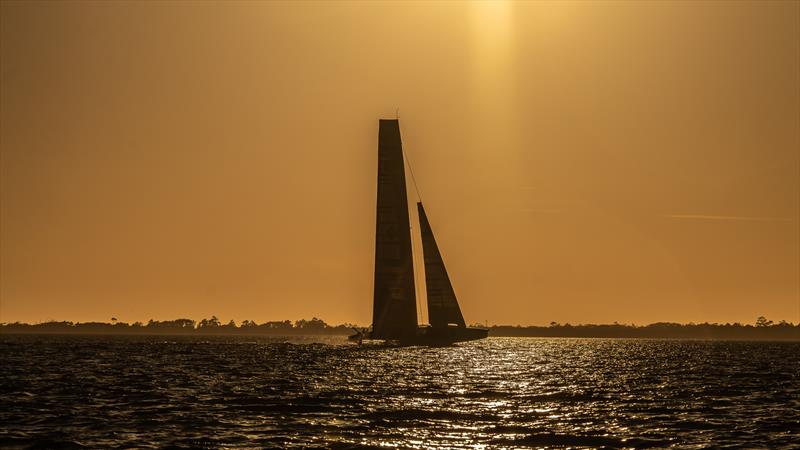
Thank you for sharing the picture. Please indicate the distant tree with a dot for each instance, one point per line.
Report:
(313, 324)
(285, 324)
(763, 322)
(213, 322)
(184, 323)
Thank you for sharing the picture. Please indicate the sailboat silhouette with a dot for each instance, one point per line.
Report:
(394, 312)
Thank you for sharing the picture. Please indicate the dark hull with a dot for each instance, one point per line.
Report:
(440, 336)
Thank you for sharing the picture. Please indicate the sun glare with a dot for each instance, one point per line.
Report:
(491, 22)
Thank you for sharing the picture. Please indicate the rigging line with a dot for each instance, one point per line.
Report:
(414, 262)
(411, 171)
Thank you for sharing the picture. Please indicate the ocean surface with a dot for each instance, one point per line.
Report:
(244, 392)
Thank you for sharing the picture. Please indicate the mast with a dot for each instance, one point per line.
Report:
(394, 312)
(443, 308)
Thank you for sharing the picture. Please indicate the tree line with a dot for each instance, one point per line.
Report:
(181, 326)
(760, 329)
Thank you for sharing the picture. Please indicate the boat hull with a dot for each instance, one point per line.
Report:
(445, 336)
(434, 336)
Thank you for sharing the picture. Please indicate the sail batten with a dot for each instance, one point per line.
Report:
(394, 312)
(443, 309)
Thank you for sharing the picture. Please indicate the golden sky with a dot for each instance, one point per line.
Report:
(579, 162)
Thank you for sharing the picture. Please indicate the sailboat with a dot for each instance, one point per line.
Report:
(394, 309)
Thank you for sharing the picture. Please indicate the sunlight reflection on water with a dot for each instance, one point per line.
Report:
(500, 392)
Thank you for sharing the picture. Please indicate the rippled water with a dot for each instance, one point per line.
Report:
(495, 393)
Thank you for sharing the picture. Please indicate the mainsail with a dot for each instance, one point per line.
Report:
(394, 312)
(443, 307)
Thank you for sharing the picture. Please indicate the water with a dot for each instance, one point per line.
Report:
(244, 392)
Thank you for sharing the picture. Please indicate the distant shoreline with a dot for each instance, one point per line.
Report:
(765, 338)
(762, 330)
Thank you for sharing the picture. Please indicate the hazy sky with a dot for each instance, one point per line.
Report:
(579, 162)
